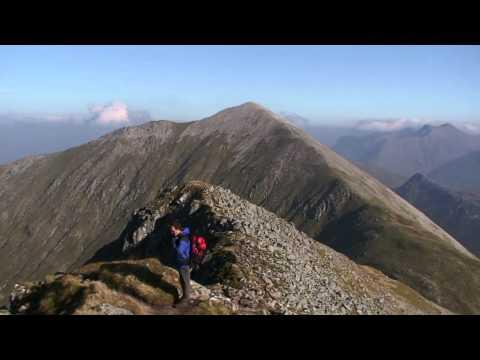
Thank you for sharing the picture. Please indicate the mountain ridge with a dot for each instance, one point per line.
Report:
(257, 264)
(66, 206)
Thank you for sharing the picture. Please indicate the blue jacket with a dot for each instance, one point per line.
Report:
(181, 245)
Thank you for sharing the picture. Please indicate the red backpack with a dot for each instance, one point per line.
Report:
(199, 246)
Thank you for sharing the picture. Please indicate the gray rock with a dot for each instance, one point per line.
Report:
(107, 309)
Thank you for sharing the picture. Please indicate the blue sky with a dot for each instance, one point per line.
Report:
(323, 83)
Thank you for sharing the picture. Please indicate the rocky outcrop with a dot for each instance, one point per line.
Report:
(263, 263)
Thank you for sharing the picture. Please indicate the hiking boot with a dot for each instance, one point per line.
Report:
(184, 301)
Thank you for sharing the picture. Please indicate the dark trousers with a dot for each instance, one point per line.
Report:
(195, 262)
(185, 281)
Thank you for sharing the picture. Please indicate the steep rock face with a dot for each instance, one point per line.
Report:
(458, 213)
(57, 211)
(257, 264)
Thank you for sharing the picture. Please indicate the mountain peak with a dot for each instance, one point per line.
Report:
(249, 118)
(247, 107)
(447, 126)
(418, 177)
(428, 129)
(416, 181)
(245, 110)
(421, 182)
(252, 105)
(425, 130)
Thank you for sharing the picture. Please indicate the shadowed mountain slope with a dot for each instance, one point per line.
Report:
(461, 174)
(458, 213)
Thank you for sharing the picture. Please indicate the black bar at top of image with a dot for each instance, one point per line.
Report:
(236, 38)
(221, 30)
(239, 23)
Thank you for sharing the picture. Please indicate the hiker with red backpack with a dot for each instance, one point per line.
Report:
(181, 244)
(189, 251)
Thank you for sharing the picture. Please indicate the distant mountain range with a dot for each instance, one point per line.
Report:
(462, 174)
(458, 213)
(21, 139)
(57, 211)
(409, 151)
(444, 152)
(325, 134)
(384, 176)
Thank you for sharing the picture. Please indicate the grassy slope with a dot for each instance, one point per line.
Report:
(142, 287)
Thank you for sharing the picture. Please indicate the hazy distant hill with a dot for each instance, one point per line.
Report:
(458, 213)
(57, 211)
(22, 139)
(385, 177)
(409, 151)
(327, 134)
(462, 174)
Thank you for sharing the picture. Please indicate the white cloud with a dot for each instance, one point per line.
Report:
(111, 114)
(114, 113)
(472, 128)
(390, 125)
(399, 124)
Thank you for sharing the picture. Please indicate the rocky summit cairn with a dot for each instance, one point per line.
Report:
(257, 263)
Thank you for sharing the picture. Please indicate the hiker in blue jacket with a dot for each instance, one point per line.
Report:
(181, 244)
